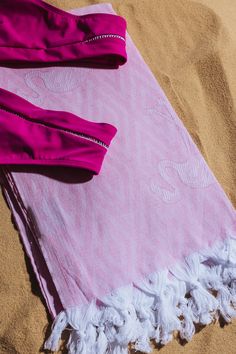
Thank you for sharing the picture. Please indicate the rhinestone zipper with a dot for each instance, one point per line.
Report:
(101, 36)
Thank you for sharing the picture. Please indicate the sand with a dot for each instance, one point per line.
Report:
(190, 47)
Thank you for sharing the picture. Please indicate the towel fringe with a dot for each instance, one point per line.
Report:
(199, 290)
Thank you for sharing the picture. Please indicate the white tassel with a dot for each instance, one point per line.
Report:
(59, 324)
(228, 275)
(128, 332)
(143, 305)
(165, 305)
(121, 300)
(229, 278)
(142, 343)
(102, 342)
(225, 304)
(187, 329)
(83, 338)
(212, 278)
(203, 304)
(118, 349)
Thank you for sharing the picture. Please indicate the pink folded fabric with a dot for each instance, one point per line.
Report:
(30, 135)
(34, 32)
(146, 248)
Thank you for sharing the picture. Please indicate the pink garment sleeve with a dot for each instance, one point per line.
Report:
(31, 135)
(59, 37)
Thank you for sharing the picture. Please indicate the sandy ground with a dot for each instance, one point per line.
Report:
(191, 47)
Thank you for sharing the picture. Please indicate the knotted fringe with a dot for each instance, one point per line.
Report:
(197, 291)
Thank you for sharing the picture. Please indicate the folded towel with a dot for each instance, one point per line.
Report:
(145, 248)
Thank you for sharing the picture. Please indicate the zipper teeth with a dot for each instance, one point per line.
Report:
(101, 36)
(81, 135)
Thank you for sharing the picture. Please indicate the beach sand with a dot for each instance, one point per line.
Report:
(190, 47)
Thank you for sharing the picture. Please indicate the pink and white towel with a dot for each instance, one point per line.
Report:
(143, 249)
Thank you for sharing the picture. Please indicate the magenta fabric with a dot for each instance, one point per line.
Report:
(59, 37)
(31, 135)
(155, 201)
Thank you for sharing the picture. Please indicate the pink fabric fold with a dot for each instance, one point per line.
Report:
(30, 135)
(59, 37)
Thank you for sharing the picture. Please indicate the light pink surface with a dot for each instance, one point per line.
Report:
(155, 200)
